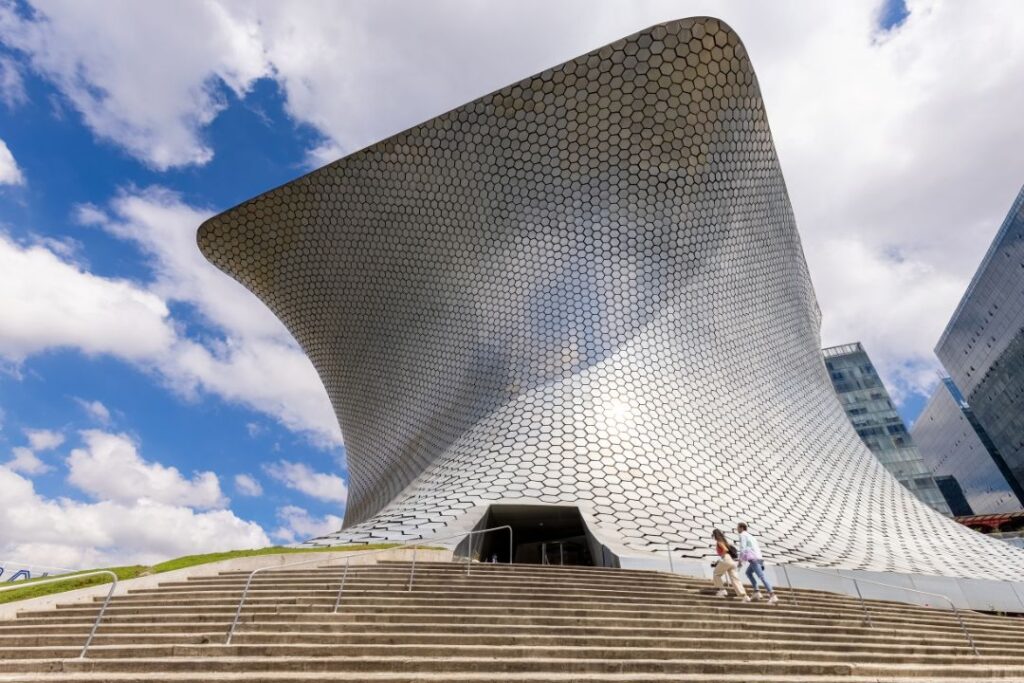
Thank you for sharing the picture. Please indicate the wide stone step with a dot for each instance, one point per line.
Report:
(414, 605)
(505, 622)
(725, 607)
(456, 599)
(706, 630)
(701, 630)
(355, 595)
(707, 640)
(568, 618)
(767, 651)
(456, 677)
(489, 664)
(498, 667)
(332, 581)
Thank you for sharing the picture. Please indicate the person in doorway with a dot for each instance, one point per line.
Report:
(725, 567)
(750, 552)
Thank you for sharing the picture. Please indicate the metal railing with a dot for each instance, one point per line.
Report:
(414, 544)
(545, 560)
(58, 579)
(864, 605)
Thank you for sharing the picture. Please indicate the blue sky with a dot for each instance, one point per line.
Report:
(156, 390)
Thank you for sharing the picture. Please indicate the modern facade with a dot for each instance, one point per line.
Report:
(954, 495)
(871, 412)
(585, 291)
(954, 444)
(982, 347)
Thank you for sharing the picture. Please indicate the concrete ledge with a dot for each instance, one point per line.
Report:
(10, 610)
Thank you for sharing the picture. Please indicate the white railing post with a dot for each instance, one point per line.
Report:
(412, 570)
(344, 575)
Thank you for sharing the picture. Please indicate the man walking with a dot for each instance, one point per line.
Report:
(750, 552)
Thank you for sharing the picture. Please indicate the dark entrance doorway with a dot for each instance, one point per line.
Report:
(542, 534)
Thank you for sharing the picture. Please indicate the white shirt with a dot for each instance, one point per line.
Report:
(748, 542)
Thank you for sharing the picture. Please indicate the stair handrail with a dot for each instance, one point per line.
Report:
(867, 614)
(348, 558)
(412, 569)
(57, 579)
(17, 563)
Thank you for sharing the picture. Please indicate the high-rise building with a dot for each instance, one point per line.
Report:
(953, 443)
(982, 347)
(872, 413)
(579, 306)
(954, 495)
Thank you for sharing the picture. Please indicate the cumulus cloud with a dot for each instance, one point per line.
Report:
(109, 467)
(68, 533)
(10, 173)
(298, 525)
(895, 141)
(301, 477)
(52, 303)
(95, 409)
(43, 439)
(24, 460)
(249, 358)
(896, 306)
(256, 362)
(247, 485)
(152, 96)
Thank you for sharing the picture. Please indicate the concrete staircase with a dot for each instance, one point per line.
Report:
(501, 623)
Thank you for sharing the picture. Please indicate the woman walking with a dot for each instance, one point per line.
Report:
(726, 566)
(750, 552)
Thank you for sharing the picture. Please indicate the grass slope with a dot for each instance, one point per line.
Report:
(31, 589)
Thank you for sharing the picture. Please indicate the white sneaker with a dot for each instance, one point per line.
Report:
(757, 595)
(746, 598)
(722, 593)
(772, 600)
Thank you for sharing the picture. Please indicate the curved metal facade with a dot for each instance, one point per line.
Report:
(585, 288)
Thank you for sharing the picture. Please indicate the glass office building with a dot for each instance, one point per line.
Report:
(872, 414)
(982, 347)
(954, 444)
(954, 495)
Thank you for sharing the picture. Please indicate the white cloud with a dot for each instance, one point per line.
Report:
(895, 306)
(110, 468)
(298, 525)
(55, 303)
(24, 460)
(10, 174)
(256, 363)
(247, 485)
(300, 477)
(68, 533)
(12, 87)
(50, 303)
(150, 80)
(896, 142)
(43, 439)
(96, 410)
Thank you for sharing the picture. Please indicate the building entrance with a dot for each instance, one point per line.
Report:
(542, 534)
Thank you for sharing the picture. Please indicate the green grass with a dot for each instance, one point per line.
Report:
(31, 589)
